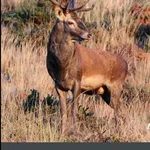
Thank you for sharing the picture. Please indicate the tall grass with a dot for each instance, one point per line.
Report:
(24, 68)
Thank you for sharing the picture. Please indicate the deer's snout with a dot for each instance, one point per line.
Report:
(86, 36)
(89, 35)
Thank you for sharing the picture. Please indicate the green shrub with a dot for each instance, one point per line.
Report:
(31, 21)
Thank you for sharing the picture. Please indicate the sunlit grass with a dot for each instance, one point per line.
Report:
(24, 68)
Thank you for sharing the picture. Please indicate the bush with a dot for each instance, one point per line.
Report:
(30, 21)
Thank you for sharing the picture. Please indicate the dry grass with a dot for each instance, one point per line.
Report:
(24, 68)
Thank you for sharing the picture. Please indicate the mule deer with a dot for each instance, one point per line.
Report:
(78, 69)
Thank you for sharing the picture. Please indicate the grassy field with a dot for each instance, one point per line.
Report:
(29, 103)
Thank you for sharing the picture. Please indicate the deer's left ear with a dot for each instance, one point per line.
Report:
(59, 13)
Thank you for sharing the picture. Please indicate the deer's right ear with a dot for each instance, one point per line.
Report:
(59, 13)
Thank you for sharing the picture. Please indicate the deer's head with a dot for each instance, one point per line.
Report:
(73, 25)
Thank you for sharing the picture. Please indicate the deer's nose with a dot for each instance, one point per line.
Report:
(89, 35)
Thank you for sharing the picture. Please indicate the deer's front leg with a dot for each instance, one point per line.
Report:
(74, 109)
(63, 110)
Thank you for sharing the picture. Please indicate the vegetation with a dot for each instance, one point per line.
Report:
(32, 20)
(30, 105)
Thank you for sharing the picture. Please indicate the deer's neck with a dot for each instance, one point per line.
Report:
(60, 43)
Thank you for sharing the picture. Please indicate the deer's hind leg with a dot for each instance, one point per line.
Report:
(111, 95)
(116, 104)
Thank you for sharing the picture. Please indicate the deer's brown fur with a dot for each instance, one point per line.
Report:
(79, 69)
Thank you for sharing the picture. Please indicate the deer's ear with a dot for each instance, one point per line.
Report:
(59, 13)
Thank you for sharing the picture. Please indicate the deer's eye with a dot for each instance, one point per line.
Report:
(70, 23)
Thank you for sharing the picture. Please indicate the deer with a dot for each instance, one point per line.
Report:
(79, 69)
